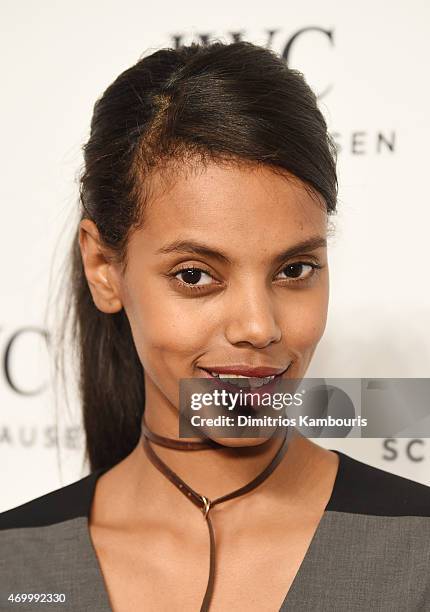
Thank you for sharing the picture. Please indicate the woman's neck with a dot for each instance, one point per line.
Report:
(213, 471)
(134, 492)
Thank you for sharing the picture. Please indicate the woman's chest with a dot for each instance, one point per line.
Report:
(155, 570)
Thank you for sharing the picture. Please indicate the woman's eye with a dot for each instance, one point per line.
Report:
(196, 279)
(193, 276)
(298, 271)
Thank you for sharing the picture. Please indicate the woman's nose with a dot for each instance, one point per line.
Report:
(252, 319)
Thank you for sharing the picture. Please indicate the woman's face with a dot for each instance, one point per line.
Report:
(229, 269)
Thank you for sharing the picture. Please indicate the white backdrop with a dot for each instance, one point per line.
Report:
(369, 62)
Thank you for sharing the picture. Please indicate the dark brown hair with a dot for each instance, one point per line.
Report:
(221, 101)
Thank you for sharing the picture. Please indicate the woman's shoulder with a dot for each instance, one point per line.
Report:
(361, 488)
(45, 549)
(61, 505)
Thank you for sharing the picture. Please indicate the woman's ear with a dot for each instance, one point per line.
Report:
(99, 270)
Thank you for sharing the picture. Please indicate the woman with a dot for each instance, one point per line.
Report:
(201, 253)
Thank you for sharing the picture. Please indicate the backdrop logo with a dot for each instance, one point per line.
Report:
(413, 451)
(19, 351)
(287, 48)
(310, 49)
(47, 437)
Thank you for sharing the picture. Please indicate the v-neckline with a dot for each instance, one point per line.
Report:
(311, 549)
(295, 584)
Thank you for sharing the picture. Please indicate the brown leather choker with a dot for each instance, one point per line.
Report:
(202, 501)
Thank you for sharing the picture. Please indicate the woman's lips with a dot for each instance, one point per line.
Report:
(222, 383)
(248, 371)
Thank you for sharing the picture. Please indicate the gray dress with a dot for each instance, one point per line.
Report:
(370, 552)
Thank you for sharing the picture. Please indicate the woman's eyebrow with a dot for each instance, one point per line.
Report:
(189, 246)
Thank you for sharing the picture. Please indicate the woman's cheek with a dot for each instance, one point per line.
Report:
(305, 322)
(169, 327)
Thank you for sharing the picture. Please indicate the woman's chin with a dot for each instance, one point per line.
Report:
(240, 442)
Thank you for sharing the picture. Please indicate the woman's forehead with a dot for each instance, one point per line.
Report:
(220, 199)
